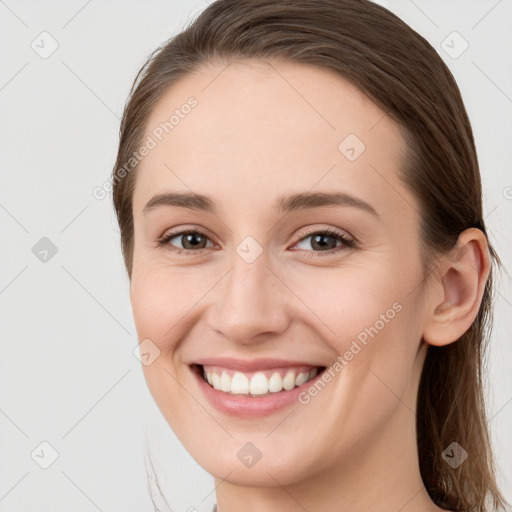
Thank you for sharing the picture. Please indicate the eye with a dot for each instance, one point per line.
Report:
(325, 241)
(191, 240)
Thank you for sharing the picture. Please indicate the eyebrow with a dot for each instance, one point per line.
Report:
(284, 204)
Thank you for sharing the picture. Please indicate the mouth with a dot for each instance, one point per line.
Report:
(256, 384)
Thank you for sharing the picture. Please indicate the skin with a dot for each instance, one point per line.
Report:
(261, 130)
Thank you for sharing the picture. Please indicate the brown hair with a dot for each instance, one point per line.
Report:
(400, 71)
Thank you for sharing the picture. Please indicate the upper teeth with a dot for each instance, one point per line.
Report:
(258, 383)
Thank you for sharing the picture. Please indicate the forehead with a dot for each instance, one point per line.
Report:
(262, 128)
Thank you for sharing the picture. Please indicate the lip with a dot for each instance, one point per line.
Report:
(244, 406)
(253, 365)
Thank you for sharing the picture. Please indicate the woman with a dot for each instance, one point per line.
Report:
(299, 200)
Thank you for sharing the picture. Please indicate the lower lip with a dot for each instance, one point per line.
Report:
(247, 407)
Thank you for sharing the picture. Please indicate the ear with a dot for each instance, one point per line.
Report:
(455, 295)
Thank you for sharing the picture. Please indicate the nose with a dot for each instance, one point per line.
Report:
(252, 303)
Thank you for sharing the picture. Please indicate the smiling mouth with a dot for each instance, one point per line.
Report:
(258, 383)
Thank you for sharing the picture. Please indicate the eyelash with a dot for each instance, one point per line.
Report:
(347, 242)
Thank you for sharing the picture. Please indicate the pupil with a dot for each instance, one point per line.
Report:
(190, 239)
(320, 240)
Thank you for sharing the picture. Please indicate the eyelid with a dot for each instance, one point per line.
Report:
(347, 240)
(162, 240)
(305, 232)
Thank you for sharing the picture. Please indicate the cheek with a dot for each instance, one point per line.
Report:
(342, 304)
(153, 305)
(370, 319)
(346, 301)
(163, 301)
(369, 316)
(163, 311)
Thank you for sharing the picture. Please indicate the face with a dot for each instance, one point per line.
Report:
(264, 289)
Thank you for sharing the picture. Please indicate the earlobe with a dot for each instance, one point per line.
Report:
(461, 284)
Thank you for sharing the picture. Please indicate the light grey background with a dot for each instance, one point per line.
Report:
(68, 375)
